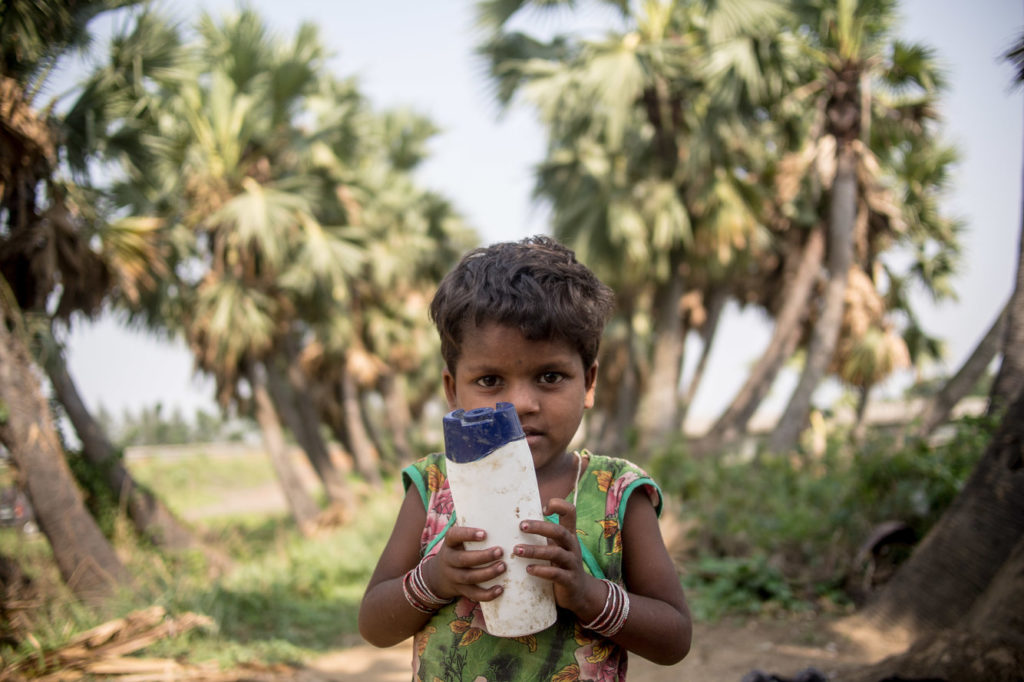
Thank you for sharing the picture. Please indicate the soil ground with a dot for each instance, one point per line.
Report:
(722, 652)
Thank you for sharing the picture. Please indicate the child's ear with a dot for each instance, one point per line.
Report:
(449, 388)
(590, 382)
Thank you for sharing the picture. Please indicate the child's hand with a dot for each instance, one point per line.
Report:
(574, 589)
(458, 572)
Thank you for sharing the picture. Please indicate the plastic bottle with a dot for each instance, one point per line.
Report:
(494, 487)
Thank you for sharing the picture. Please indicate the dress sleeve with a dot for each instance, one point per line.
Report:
(413, 475)
(629, 480)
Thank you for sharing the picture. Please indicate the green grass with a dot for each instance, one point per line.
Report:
(201, 479)
(286, 598)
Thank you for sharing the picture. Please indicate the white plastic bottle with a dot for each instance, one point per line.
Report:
(494, 487)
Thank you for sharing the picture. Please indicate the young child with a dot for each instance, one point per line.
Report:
(521, 323)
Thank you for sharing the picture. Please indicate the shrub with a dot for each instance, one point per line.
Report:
(802, 519)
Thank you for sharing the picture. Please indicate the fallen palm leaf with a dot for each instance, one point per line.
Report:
(102, 650)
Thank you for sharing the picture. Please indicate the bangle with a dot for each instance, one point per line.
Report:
(613, 616)
(418, 594)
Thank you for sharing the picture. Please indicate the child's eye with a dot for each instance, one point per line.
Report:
(551, 377)
(489, 381)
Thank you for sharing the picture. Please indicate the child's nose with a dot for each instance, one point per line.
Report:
(525, 399)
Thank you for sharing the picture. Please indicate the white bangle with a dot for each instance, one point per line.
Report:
(613, 616)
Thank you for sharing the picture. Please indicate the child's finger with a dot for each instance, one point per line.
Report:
(561, 535)
(477, 593)
(458, 535)
(559, 558)
(566, 513)
(473, 558)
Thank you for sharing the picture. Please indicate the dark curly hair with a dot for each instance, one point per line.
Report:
(535, 285)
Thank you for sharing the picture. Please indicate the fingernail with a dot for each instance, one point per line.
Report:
(520, 551)
(524, 526)
(501, 567)
(479, 535)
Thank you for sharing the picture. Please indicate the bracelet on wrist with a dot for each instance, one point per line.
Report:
(418, 594)
(613, 616)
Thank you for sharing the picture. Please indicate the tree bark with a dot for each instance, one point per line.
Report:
(620, 415)
(150, 516)
(359, 441)
(842, 215)
(399, 417)
(959, 558)
(732, 424)
(860, 426)
(291, 405)
(303, 508)
(1010, 378)
(959, 599)
(85, 558)
(658, 414)
(939, 406)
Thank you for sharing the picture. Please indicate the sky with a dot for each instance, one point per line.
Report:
(421, 55)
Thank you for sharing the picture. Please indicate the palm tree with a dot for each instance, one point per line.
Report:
(208, 155)
(289, 219)
(636, 120)
(85, 558)
(964, 576)
(859, 64)
(1010, 378)
(88, 260)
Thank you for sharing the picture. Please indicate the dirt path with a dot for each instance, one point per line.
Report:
(723, 652)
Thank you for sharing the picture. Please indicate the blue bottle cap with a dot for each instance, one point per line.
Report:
(472, 435)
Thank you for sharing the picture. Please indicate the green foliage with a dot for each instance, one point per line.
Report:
(100, 500)
(802, 520)
(744, 585)
(917, 483)
(203, 477)
(286, 599)
(152, 425)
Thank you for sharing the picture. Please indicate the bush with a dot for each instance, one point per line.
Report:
(803, 519)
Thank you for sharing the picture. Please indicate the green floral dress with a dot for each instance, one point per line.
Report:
(453, 646)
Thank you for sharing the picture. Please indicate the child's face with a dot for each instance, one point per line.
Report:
(545, 380)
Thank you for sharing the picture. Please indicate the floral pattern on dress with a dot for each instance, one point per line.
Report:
(440, 508)
(455, 645)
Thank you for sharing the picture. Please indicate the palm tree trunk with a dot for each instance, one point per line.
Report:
(658, 415)
(733, 422)
(291, 405)
(85, 558)
(938, 408)
(859, 424)
(359, 440)
(150, 516)
(617, 425)
(842, 216)
(398, 415)
(707, 332)
(1010, 378)
(304, 510)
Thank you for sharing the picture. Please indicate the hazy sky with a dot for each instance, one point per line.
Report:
(420, 54)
